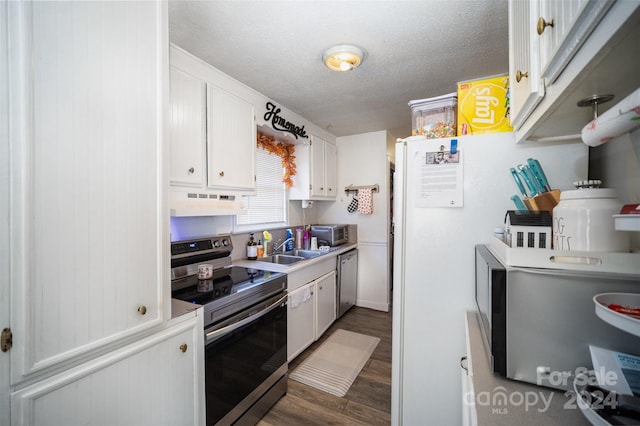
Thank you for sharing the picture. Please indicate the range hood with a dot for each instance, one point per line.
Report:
(189, 204)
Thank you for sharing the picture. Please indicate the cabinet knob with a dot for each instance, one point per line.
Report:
(183, 347)
(330, 189)
(192, 170)
(320, 287)
(142, 309)
(520, 75)
(321, 188)
(464, 367)
(542, 24)
(221, 173)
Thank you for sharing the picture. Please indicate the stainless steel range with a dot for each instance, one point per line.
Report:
(245, 328)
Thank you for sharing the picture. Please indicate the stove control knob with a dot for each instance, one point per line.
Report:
(225, 242)
(216, 243)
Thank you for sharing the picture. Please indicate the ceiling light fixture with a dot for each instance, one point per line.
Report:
(343, 57)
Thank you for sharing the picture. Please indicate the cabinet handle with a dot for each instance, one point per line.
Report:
(520, 75)
(464, 367)
(221, 173)
(142, 309)
(542, 24)
(191, 170)
(183, 347)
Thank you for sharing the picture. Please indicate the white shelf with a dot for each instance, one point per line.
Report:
(627, 222)
(617, 319)
(606, 262)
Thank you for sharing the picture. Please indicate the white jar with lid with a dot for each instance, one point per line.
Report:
(583, 221)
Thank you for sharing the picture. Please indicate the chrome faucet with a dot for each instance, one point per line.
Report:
(279, 246)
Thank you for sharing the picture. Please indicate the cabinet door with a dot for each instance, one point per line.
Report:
(330, 160)
(325, 302)
(300, 320)
(563, 26)
(526, 88)
(317, 167)
(187, 130)
(231, 141)
(89, 213)
(155, 381)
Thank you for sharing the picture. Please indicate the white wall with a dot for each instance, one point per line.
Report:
(617, 164)
(362, 161)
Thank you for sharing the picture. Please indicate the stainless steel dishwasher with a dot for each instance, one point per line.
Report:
(347, 281)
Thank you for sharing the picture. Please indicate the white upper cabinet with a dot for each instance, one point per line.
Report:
(562, 26)
(187, 129)
(212, 134)
(527, 89)
(89, 242)
(315, 177)
(231, 141)
(564, 51)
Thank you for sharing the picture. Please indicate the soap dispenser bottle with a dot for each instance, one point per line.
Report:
(252, 248)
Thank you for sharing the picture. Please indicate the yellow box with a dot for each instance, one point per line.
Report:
(483, 106)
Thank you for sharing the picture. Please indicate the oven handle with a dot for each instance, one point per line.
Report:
(216, 334)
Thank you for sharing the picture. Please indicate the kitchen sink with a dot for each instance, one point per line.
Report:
(282, 259)
(307, 254)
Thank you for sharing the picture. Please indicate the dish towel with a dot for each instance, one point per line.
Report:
(365, 201)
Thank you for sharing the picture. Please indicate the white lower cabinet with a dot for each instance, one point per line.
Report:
(311, 309)
(300, 320)
(325, 302)
(158, 380)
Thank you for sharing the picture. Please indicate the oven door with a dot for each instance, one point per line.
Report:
(245, 356)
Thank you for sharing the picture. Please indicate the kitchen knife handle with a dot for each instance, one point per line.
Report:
(534, 180)
(519, 204)
(536, 168)
(518, 182)
(523, 175)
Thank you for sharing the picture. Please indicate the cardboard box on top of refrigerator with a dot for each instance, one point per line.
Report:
(483, 106)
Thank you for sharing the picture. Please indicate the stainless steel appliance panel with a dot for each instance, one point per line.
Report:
(331, 235)
(347, 281)
(538, 323)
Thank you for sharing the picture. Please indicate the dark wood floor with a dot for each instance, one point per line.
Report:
(368, 401)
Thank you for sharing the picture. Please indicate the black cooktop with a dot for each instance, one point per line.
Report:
(227, 281)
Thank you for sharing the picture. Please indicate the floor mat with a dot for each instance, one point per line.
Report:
(337, 362)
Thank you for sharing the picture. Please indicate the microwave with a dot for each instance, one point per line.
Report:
(330, 235)
(537, 323)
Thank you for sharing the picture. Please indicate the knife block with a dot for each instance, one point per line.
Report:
(543, 202)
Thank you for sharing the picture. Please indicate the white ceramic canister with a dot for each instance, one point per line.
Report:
(582, 221)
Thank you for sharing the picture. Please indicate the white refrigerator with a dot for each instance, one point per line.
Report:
(441, 211)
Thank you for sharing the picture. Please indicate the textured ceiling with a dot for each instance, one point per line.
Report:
(414, 49)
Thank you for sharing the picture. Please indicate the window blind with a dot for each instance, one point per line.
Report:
(268, 205)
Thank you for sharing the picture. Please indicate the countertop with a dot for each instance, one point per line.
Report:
(274, 267)
(526, 404)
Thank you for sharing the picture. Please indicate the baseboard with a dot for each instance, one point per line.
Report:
(384, 307)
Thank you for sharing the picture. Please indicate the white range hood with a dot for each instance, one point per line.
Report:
(190, 204)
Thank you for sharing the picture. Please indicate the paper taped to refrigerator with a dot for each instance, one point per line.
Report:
(440, 179)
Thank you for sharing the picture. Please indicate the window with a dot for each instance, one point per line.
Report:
(268, 206)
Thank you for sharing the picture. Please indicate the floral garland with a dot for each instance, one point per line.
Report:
(283, 150)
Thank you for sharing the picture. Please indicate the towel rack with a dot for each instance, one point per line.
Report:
(352, 188)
